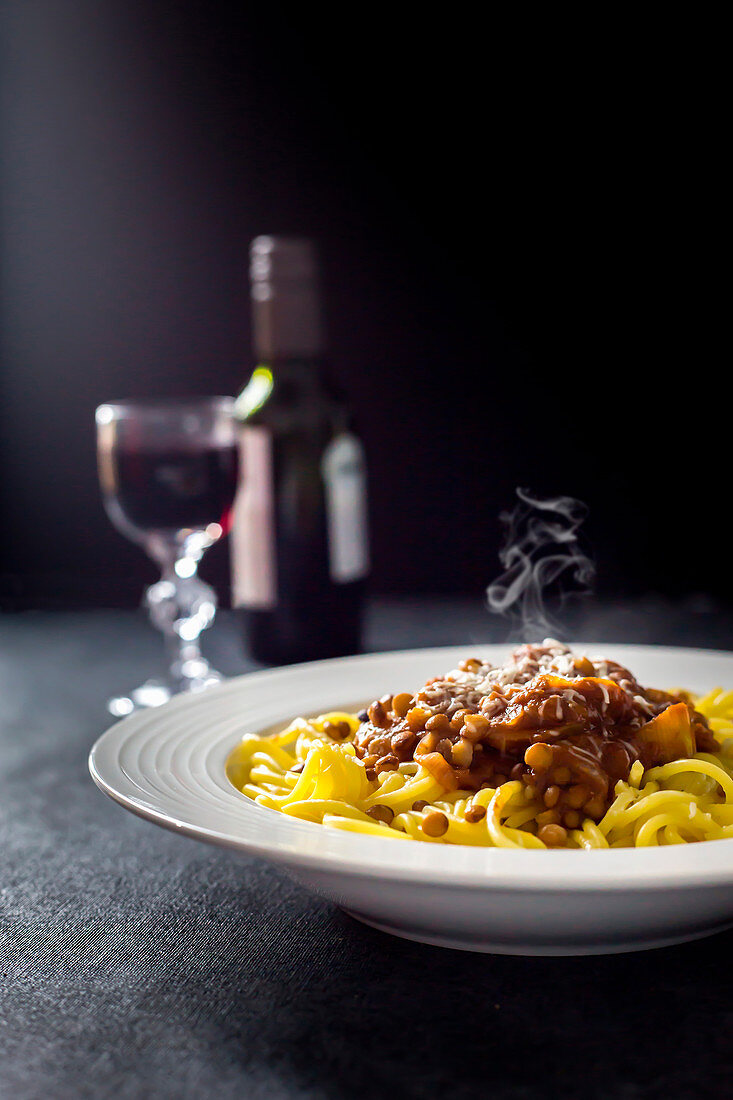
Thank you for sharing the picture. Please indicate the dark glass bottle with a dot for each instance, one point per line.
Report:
(299, 538)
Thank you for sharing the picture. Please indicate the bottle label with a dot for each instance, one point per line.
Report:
(252, 537)
(343, 468)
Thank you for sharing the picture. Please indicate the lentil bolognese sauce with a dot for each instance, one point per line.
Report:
(550, 749)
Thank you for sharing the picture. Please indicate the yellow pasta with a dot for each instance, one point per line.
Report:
(305, 772)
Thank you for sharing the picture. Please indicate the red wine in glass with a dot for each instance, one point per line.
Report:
(174, 489)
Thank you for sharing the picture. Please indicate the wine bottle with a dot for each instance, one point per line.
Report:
(299, 540)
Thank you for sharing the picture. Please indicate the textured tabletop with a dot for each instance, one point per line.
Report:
(135, 963)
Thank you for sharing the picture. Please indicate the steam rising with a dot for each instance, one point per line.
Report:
(540, 552)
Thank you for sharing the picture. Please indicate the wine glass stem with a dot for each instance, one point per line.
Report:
(181, 606)
(181, 656)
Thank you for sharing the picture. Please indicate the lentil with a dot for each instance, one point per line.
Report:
(551, 796)
(538, 756)
(403, 744)
(380, 746)
(554, 836)
(377, 715)
(439, 723)
(337, 731)
(445, 748)
(577, 796)
(401, 703)
(381, 813)
(462, 753)
(435, 823)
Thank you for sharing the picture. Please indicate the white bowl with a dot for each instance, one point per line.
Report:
(169, 766)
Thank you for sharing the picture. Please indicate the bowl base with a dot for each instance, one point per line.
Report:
(487, 946)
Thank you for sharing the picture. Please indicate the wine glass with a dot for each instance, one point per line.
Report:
(168, 470)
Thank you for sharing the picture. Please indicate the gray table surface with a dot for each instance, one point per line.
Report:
(135, 963)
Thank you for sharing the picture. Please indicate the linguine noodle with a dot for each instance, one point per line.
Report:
(304, 773)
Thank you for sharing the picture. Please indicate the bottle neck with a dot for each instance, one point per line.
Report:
(286, 323)
(286, 300)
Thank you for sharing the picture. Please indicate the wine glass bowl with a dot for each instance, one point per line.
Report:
(168, 471)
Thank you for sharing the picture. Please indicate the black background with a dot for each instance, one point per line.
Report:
(521, 232)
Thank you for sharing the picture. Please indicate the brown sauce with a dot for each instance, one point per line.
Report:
(567, 726)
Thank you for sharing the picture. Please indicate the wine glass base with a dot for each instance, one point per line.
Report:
(153, 693)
